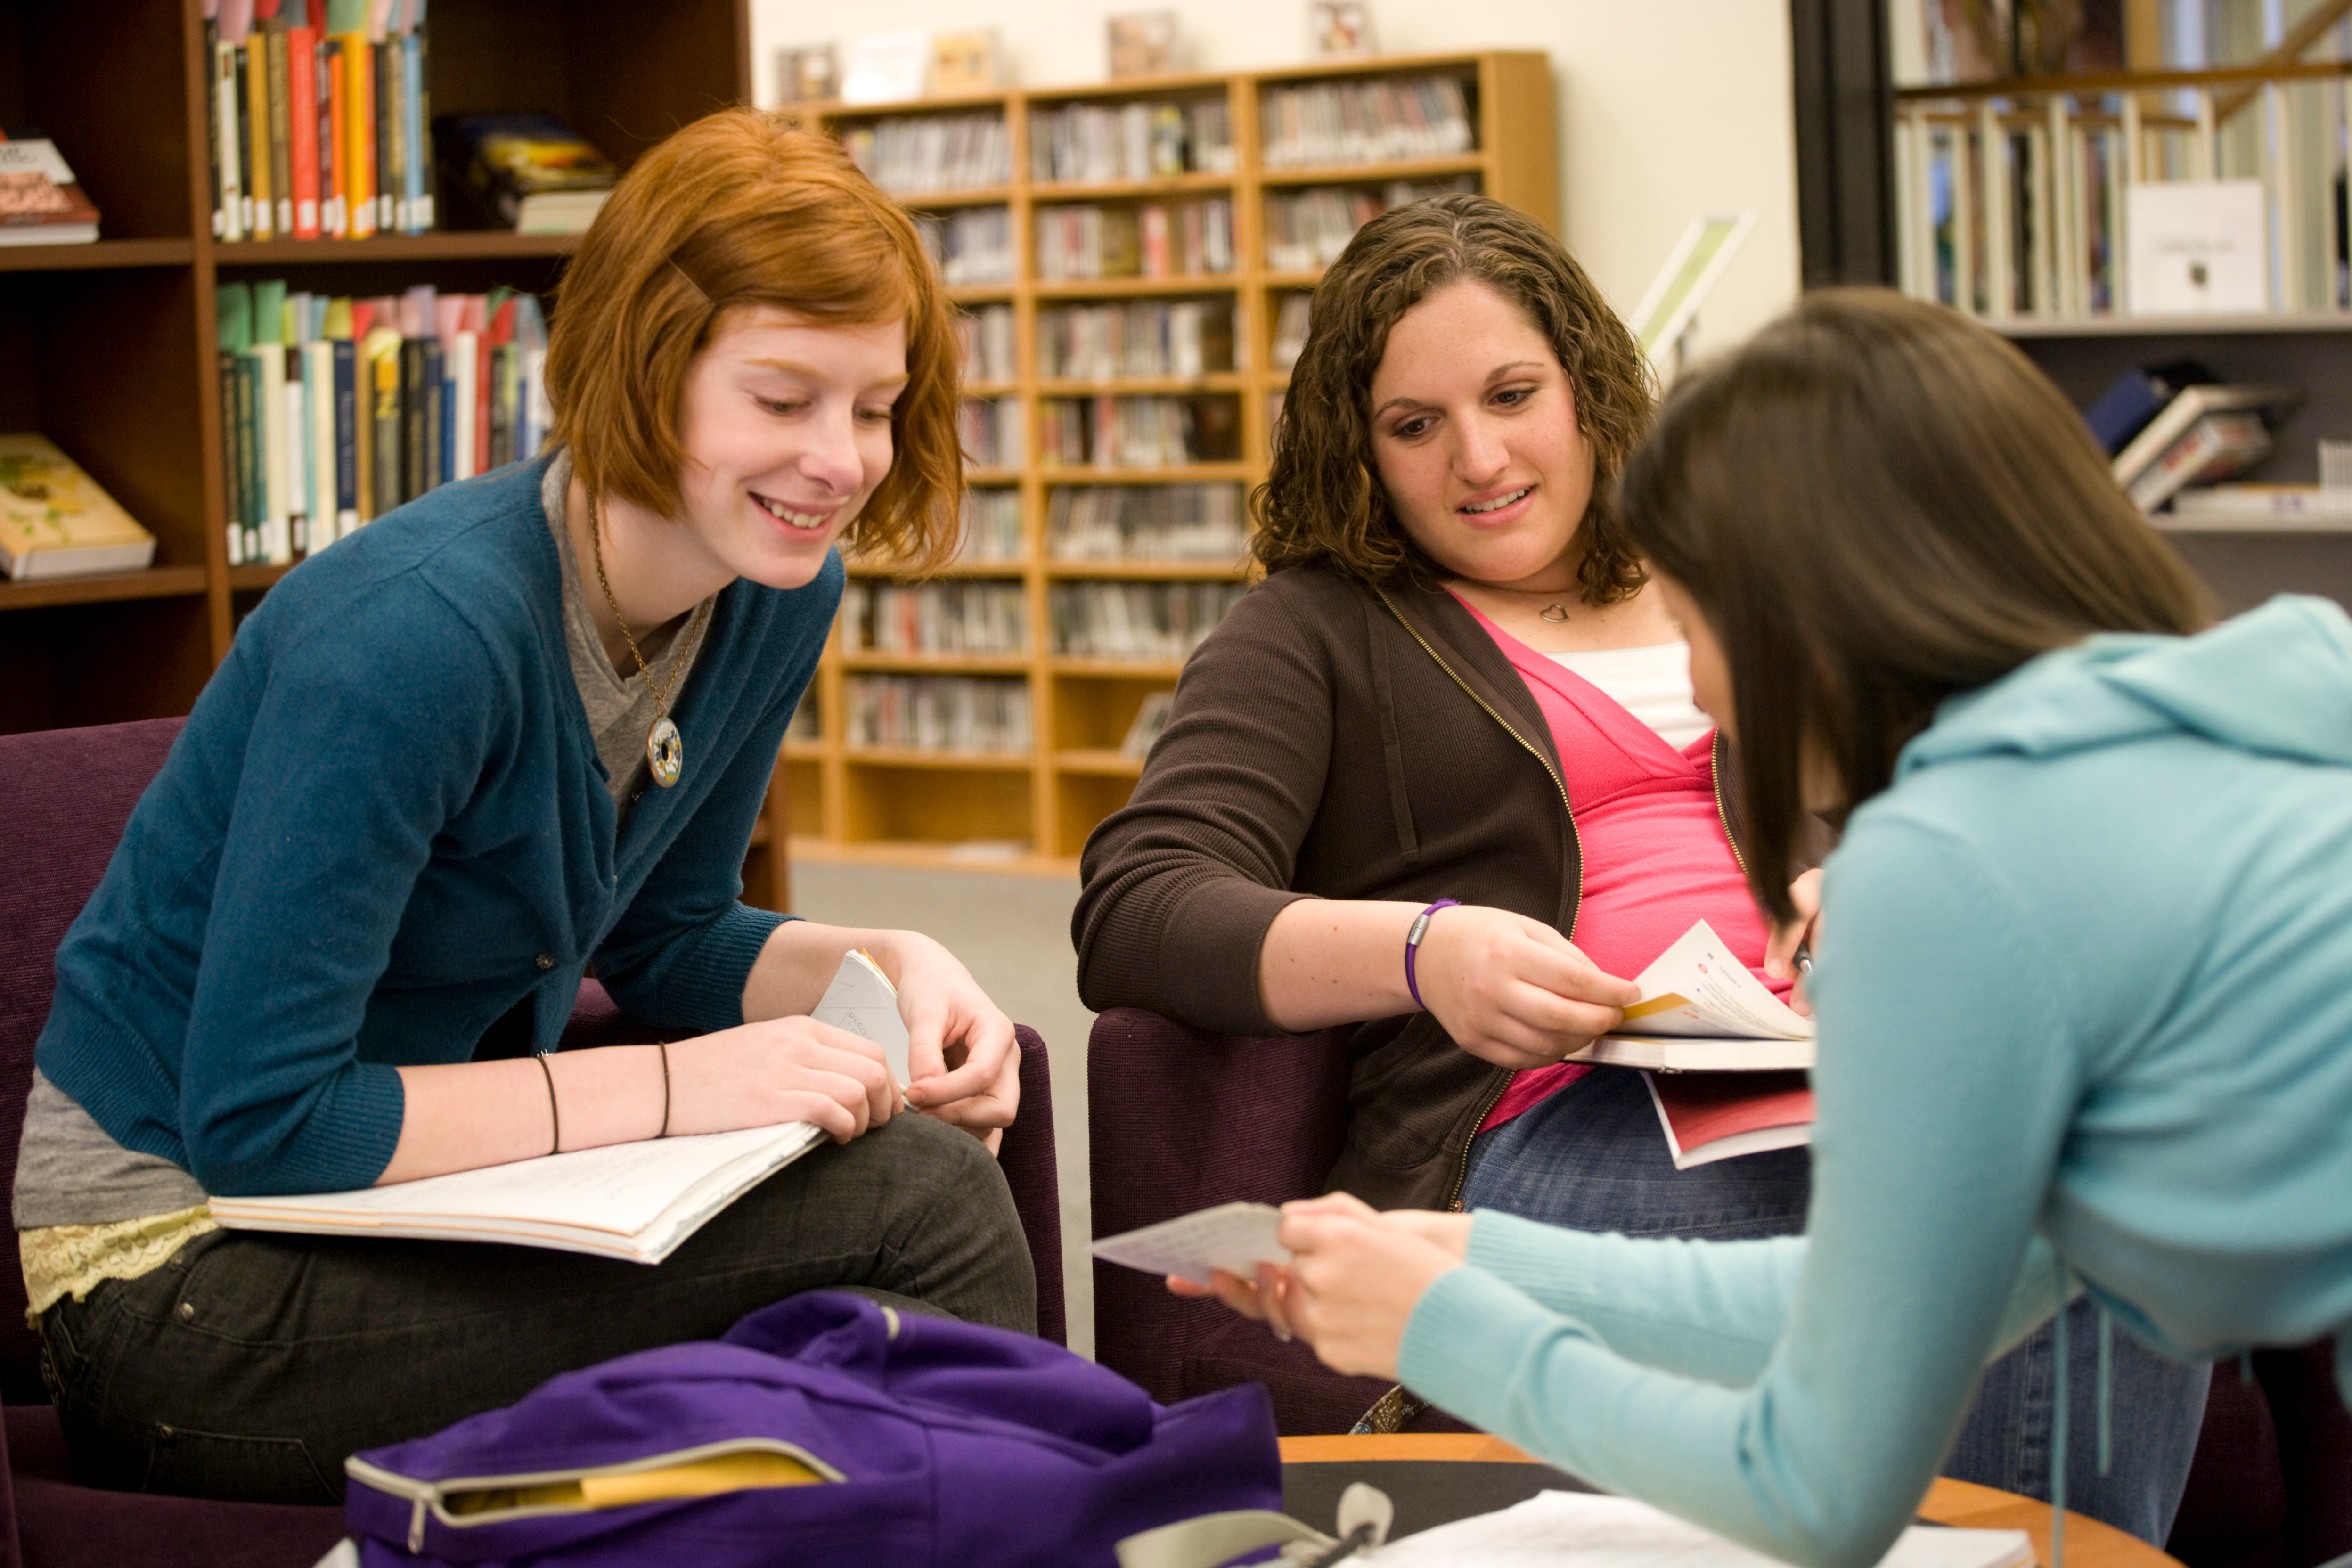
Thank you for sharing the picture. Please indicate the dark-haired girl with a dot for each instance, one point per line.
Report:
(1457, 707)
(2084, 1018)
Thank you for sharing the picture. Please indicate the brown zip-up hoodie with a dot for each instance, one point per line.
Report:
(1335, 740)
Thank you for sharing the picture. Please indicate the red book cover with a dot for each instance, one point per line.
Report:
(302, 91)
(477, 321)
(1711, 1115)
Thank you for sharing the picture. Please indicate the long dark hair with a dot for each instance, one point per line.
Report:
(1877, 503)
(1323, 501)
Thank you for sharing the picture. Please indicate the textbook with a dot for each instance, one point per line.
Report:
(55, 521)
(1711, 1115)
(1701, 1011)
(637, 1202)
(41, 202)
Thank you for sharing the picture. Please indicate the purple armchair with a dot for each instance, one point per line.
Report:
(65, 795)
(1181, 1119)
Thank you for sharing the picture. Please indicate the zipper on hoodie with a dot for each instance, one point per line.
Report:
(1722, 811)
(434, 1497)
(1461, 1166)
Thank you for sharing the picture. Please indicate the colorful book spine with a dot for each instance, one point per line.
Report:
(302, 128)
(359, 116)
(417, 115)
(281, 129)
(253, 78)
(384, 354)
(226, 118)
(335, 176)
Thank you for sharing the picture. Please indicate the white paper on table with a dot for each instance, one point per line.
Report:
(1696, 989)
(1578, 1530)
(862, 1000)
(1235, 1238)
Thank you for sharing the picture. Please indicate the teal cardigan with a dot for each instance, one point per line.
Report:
(385, 827)
(2086, 1006)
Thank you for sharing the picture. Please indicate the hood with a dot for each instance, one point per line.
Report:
(2276, 681)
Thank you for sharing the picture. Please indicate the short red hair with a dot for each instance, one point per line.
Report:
(738, 210)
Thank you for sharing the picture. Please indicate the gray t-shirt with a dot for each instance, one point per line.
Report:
(70, 1171)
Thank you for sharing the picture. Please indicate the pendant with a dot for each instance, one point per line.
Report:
(665, 751)
(1555, 614)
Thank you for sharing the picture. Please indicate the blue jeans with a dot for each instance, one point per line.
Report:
(1594, 1157)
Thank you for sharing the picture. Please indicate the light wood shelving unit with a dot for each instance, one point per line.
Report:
(1035, 809)
(108, 348)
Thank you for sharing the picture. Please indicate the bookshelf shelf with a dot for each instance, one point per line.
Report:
(868, 805)
(460, 245)
(979, 196)
(155, 583)
(1375, 174)
(104, 253)
(109, 348)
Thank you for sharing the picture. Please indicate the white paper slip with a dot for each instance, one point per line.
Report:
(862, 1000)
(1697, 989)
(1577, 1529)
(1235, 1238)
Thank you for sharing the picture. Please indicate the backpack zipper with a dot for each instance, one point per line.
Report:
(432, 1496)
(1462, 1167)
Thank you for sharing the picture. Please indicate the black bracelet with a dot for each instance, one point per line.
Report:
(553, 1115)
(663, 1046)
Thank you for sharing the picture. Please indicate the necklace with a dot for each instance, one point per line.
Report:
(665, 748)
(1555, 612)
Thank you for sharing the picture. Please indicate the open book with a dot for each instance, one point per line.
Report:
(1701, 1011)
(1711, 1115)
(634, 1201)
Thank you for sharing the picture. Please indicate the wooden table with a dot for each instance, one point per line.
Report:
(2089, 1543)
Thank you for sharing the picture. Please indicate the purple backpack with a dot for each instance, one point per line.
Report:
(824, 1429)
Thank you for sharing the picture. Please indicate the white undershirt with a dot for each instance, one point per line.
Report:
(1650, 683)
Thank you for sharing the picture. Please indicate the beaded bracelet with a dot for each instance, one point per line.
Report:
(1412, 945)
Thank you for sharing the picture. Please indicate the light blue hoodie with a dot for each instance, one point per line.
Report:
(2085, 1008)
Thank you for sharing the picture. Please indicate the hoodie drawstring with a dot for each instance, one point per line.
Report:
(2107, 1389)
(2058, 1438)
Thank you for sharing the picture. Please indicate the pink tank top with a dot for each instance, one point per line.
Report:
(1656, 854)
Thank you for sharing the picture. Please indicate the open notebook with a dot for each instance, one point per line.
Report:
(1701, 1011)
(1574, 1529)
(632, 1201)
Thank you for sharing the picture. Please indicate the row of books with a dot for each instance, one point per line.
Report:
(317, 113)
(1157, 432)
(1138, 338)
(1388, 119)
(1177, 239)
(990, 432)
(935, 617)
(1291, 321)
(991, 524)
(1307, 228)
(1147, 522)
(1085, 142)
(937, 712)
(984, 340)
(921, 154)
(971, 245)
(334, 411)
(1138, 620)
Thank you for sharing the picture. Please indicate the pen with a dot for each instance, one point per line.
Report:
(1804, 959)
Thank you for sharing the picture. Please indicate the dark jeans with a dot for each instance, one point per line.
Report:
(250, 1366)
(1594, 1157)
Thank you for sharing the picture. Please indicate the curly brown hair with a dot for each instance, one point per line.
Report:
(1322, 500)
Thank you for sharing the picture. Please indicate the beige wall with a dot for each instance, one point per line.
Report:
(1667, 108)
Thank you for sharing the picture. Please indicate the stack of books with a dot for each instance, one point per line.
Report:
(1138, 620)
(2203, 434)
(935, 617)
(1109, 432)
(1181, 239)
(924, 155)
(1307, 228)
(937, 713)
(316, 117)
(528, 173)
(1147, 522)
(1142, 338)
(1387, 120)
(55, 520)
(41, 202)
(336, 410)
(1085, 142)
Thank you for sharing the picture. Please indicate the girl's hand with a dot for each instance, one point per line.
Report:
(779, 1070)
(1805, 931)
(961, 1053)
(1513, 991)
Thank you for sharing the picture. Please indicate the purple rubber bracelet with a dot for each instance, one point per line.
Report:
(1412, 945)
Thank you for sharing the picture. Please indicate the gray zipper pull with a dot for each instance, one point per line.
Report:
(416, 1528)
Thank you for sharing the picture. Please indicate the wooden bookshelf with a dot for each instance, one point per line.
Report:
(108, 348)
(901, 807)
